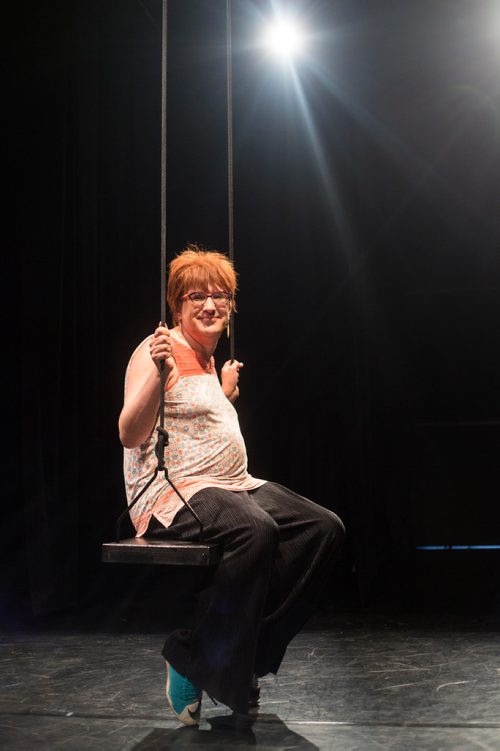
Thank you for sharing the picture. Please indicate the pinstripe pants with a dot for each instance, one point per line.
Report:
(278, 550)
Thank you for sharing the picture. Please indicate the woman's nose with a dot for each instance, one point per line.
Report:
(209, 304)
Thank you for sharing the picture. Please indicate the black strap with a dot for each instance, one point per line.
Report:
(162, 441)
(230, 186)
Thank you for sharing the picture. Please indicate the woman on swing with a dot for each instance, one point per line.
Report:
(278, 548)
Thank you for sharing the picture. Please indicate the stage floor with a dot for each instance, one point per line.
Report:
(348, 682)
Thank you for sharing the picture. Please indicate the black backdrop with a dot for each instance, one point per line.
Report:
(367, 240)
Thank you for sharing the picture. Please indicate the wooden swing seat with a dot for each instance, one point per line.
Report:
(160, 552)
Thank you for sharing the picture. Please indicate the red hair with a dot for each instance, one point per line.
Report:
(196, 268)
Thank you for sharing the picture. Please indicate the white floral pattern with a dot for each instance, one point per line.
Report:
(206, 447)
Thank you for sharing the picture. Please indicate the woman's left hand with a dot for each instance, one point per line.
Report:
(230, 374)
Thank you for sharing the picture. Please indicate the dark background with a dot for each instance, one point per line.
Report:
(367, 232)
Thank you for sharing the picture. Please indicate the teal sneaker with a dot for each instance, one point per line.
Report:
(183, 697)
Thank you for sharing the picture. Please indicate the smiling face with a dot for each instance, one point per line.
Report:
(196, 270)
(204, 320)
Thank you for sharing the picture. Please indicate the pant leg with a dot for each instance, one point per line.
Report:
(218, 653)
(310, 539)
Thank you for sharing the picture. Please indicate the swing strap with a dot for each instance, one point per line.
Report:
(162, 440)
(230, 186)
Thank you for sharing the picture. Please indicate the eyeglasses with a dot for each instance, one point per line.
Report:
(199, 298)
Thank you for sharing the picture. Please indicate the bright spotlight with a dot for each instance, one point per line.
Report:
(284, 38)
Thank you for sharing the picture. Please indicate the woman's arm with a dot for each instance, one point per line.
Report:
(142, 399)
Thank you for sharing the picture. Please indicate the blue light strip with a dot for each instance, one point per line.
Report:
(458, 547)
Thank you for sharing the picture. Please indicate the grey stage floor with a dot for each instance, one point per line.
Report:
(349, 682)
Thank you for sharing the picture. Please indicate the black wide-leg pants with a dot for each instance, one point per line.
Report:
(278, 550)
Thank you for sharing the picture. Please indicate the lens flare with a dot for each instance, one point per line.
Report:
(284, 38)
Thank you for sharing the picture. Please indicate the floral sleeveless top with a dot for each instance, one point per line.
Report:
(206, 448)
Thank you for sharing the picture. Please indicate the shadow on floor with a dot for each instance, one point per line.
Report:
(227, 732)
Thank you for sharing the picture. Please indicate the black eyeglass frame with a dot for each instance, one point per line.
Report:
(224, 299)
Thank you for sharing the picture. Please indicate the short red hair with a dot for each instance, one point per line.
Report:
(196, 268)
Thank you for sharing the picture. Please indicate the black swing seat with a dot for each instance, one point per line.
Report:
(160, 551)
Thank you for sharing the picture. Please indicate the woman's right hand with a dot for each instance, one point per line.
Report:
(161, 349)
(142, 398)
